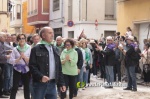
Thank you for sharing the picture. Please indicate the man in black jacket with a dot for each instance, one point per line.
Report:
(130, 63)
(45, 66)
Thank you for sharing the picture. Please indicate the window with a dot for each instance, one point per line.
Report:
(109, 33)
(57, 32)
(13, 13)
(70, 34)
(11, 16)
(45, 6)
(70, 10)
(18, 11)
(55, 5)
(109, 9)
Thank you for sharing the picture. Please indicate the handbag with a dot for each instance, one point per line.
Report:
(87, 67)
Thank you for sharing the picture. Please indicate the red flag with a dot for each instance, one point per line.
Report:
(82, 35)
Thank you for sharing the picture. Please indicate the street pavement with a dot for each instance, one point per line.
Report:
(100, 92)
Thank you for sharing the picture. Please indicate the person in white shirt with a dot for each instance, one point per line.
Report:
(129, 32)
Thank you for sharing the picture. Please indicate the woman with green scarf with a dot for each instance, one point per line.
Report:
(20, 58)
(88, 60)
(69, 58)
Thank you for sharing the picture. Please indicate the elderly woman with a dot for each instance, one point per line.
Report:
(145, 59)
(88, 60)
(20, 58)
(69, 58)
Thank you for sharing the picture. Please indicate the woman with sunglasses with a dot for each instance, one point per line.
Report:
(19, 59)
(88, 61)
(69, 58)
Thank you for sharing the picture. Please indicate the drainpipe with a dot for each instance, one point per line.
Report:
(86, 10)
(62, 17)
(79, 10)
(62, 11)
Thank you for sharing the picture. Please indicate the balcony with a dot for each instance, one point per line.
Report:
(16, 23)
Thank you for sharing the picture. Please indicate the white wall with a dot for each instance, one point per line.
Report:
(56, 17)
(89, 30)
(96, 10)
(143, 34)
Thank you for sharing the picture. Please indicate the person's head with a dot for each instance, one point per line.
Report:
(21, 38)
(47, 34)
(109, 40)
(118, 34)
(129, 29)
(122, 38)
(13, 38)
(2, 37)
(8, 38)
(77, 43)
(146, 46)
(83, 43)
(69, 44)
(29, 40)
(130, 39)
(35, 38)
(59, 40)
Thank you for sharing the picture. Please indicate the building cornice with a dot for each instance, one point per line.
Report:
(99, 23)
(141, 21)
(38, 22)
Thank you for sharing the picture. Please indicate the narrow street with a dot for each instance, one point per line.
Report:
(102, 93)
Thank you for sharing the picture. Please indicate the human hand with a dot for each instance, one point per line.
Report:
(45, 79)
(7, 56)
(78, 71)
(90, 66)
(22, 55)
(67, 57)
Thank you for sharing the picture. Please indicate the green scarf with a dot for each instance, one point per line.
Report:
(25, 47)
(87, 55)
(68, 51)
(45, 43)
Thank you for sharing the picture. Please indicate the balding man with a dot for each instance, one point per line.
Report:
(45, 67)
(4, 55)
(59, 44)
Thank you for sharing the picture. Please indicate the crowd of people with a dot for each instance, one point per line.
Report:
(47, 68)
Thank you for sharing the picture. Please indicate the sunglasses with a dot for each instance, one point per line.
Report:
(21, 38)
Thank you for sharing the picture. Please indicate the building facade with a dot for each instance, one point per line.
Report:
(38, 13)
(16, 16)
(25, 27)
(70, 17)
(5, 16)
(134, 14)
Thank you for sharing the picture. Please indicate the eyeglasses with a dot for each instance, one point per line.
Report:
(67, 45)
(21, 38)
